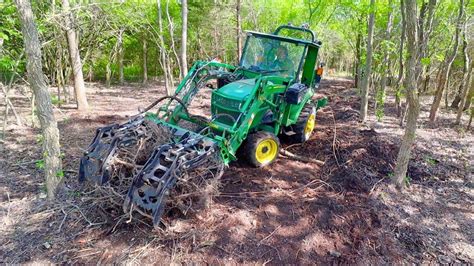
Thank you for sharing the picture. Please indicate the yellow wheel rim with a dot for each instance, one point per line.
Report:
(308, 129)
(266, 151)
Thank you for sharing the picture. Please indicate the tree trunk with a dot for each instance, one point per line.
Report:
(457, 99)
(467, 70)
(465, 97)
(173, 46)
(470, 120)
(164, 63)
(184, 37)
(368, 67)
(238, 29)
(380, 96)
(398, 92)
(445, 76)
(358, 57)
(412, 95)
(145, 67)
(426, 82)
(76, 64)
(36, 78)
(469, 97)
(120, 55)
(425, 27)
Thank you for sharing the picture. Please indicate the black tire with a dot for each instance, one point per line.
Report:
(261, 148)
(300, 127)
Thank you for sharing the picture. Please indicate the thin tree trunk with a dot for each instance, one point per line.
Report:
(465, 95)
(358, 60)
(173, 46)
(238, 29)
(184, 37)
(469, 97)
(145, 67)
(457, 98)
(164, 62)
(386, 66)
(108, 75)
(368, 67)
(445, 77)
(9, 105)
(36, 78)
(8, 102)
(425, 27)
(470, 119)
(120, 55)
(427, 80)
(108, 67)
(467, 70)
(398, 92)
(412, 95)
(76, 64)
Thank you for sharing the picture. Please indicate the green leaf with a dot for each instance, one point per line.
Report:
(425, 61)
(4, 36)
(40, 164)
(60, 174)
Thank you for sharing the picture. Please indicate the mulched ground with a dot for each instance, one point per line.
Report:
(290, 212)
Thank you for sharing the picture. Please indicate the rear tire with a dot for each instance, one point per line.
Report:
(305, 124)
(261, 148)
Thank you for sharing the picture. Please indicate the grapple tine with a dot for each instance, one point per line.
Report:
(151, 186)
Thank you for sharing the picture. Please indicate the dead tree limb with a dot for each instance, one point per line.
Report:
(300, 158)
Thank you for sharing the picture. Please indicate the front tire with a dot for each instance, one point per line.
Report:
(261, 148)
(304, 127)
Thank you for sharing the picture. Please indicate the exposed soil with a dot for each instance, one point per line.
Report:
(345, 211)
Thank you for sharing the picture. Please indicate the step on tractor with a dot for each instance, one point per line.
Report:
(267, 96)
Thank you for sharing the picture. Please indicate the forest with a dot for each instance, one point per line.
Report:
(236, 131)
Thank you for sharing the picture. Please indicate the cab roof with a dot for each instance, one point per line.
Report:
(316, 43)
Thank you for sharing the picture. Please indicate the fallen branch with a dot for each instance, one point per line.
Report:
(334, 139)
(300, 158)
(267, 237)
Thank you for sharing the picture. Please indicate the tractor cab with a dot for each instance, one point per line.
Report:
(279, 55)
(272, 64)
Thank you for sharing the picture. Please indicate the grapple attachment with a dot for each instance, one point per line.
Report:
(150, 158)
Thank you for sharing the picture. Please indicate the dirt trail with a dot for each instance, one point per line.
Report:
(290, 212)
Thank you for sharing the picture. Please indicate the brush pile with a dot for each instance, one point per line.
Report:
(193, 190)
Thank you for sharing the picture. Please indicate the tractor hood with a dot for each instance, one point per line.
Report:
(237, 90)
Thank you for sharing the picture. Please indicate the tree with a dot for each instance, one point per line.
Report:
(385, 66)
(75, 57)
(368, 66)
(449, 62)
(467, 72)
(398, 92)
(412, 93)
(238, 28)
(145, 67)
(120, 55)
(36, 78)
(184, 36)
(164, 63)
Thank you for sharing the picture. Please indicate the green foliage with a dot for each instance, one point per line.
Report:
(431, 161)
(40, 139)
(380, 98)
(425, 61)
(40, 164)
(211, 33)
(60, 174)
(56, 101)
(407, 180)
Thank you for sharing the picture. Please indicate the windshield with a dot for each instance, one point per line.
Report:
(267, 55)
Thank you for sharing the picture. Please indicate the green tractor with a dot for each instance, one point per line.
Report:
(269, 94)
